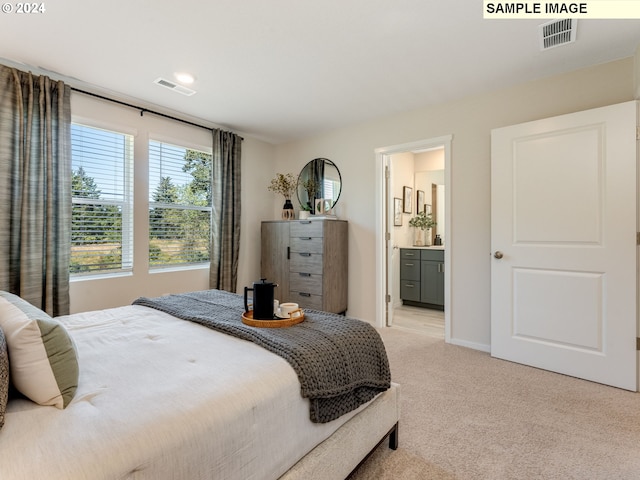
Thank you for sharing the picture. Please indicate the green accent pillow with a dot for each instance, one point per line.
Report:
(42, 357)
(4, 377)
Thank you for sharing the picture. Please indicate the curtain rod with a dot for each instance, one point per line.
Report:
(143, 110)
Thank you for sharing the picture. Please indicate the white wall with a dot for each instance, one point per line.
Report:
(430, 160)
(470, 121)
(91, 293)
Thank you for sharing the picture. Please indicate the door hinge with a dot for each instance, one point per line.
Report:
(637, 133)
(388, 300)
(386, 172)
(637, 238)
(637, 343)
(388, 235)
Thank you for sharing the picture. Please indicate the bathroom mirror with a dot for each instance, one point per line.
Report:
(432, 183)
(320, 178)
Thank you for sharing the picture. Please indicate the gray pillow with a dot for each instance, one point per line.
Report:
(4, 377)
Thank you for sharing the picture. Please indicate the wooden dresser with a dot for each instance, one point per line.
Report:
(308, 259)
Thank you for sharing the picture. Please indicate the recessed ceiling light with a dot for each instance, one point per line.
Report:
(184, 77)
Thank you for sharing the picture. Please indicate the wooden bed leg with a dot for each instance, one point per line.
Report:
(393, 445)
(393, 438)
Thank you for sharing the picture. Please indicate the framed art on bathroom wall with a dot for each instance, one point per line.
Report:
(397, 212)
(407, 193)
(420, 202)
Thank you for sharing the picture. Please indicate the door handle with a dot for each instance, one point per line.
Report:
(498, 254)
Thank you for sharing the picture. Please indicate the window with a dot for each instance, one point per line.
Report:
(328, 188)
(101, 222)
(179, 205)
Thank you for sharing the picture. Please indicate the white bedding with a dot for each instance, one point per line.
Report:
(163, 398)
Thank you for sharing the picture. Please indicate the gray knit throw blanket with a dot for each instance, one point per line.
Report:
(341, 362)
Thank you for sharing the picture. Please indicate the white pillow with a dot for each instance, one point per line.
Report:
(42, 357)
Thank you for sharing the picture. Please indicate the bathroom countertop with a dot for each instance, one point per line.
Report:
(428, 247)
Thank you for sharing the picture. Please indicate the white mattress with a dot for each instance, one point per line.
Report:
(162, 398)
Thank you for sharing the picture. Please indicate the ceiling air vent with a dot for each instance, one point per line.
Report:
(174, 86)
(557, 32)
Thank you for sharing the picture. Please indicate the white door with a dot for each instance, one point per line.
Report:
(563, 210)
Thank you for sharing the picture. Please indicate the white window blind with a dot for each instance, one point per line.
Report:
(179, 205)
(102, 219)
(328, 188)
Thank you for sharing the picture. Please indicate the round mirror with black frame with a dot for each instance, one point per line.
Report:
(320, 178)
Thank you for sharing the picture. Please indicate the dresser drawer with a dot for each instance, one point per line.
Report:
(305, 263)
(306, 282)
(306, 244)
(306, 300)
(306, 228)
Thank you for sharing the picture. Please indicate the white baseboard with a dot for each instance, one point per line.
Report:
(473, 345)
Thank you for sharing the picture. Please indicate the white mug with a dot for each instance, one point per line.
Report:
(290, 310)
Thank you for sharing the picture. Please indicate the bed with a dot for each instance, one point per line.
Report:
(159, 397)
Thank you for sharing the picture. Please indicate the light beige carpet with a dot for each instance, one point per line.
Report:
(466, 415)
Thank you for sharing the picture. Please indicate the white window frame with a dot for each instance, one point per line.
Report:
(126, 204)
(154, 268)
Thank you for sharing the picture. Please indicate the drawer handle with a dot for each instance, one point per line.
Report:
(304, 274)
(408, 264)
(305, 238)
(409, 286)
(305, 254)
(408, 254)
(303, 294)
(306, 222)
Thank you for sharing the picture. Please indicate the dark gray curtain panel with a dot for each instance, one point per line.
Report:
(35, 189)
(318, 176)
(225, 231)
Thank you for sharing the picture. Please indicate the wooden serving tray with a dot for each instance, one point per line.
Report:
(247, 319)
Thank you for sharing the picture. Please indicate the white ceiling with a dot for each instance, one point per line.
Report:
(281, 70)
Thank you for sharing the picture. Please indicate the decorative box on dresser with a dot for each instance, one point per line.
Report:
(308, 259)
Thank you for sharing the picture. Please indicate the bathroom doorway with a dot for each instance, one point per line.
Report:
(429, 321)
(415, 178)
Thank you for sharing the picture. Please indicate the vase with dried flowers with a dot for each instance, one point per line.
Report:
(311, 187)
(285, 184)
